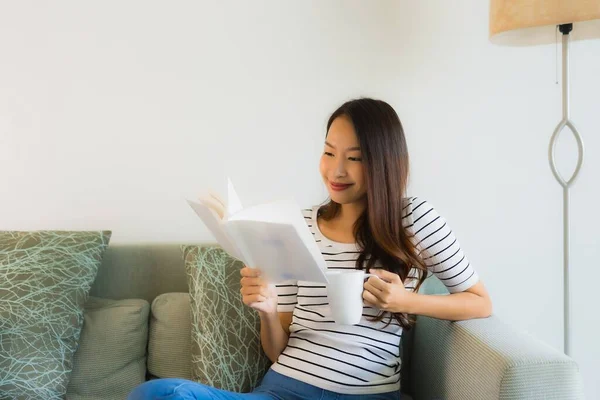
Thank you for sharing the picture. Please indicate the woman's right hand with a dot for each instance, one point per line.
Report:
(256, 293)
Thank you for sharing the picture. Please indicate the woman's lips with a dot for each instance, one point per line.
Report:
(339, 187)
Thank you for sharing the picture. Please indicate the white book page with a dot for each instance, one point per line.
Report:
(278, 211)
(214, 224)
(284, 212)
(234, 203)
(279, 251)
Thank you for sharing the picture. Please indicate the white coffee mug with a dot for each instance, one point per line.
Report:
(344, 292)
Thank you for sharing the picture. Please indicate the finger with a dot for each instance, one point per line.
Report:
(370, 299)
(377, 283)
(373, 290)
(247, 281)
(250, 272)
(254, 298)
(386, 275)
(252, 290)
(382, 296)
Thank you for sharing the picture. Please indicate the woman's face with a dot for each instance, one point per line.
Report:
(341, 166)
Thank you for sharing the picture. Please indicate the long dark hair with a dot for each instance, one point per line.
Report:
(378, 230)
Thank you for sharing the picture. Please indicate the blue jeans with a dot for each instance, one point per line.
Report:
(273, 386)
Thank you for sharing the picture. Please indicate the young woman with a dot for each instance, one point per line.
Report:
(367, 224)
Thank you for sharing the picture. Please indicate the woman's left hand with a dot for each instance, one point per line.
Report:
(387, 292)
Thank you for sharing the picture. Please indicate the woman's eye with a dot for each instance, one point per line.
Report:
(328, 154)
(354, 159)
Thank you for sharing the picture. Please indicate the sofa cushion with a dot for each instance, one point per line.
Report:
(111, 358)
(226, 348)
(45, 278)
(170, 336)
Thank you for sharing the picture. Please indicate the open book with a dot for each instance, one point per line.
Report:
(273, 237)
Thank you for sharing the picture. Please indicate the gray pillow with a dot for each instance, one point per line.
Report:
(111, 358)
(45, 278)
(170, 336)
(226, 348)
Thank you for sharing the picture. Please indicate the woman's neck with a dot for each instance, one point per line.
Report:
(349, 213)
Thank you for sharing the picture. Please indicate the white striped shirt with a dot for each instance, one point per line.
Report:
(363, 358)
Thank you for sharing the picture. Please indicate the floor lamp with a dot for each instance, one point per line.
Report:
(533, 22)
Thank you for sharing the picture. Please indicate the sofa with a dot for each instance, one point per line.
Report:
(476, 359)
(137, 326)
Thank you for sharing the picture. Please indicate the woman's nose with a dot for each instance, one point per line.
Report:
(340, 168)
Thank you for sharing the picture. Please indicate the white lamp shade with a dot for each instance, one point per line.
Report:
(532, 22)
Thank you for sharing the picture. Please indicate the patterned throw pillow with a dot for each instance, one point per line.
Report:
(226, 348)
(45, 278)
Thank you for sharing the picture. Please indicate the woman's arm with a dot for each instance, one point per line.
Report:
(274, 333)
(442, 254)
(474, 302)
(387, 292)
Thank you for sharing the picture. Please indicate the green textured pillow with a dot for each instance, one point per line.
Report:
(169, 338)
(111, 358)
(226, 348)
(45, 278)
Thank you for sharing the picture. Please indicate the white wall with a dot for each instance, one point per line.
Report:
(112, 112)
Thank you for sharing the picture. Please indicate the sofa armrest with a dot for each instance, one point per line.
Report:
(486, 359)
